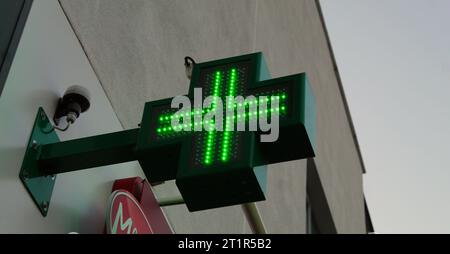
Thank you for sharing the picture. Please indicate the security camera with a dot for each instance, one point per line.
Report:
(75, 101)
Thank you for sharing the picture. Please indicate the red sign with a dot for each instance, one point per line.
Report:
(125, 215)
(133, 209)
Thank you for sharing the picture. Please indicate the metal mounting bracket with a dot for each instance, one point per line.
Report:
(38, 184)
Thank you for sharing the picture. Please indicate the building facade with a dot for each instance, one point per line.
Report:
(129, 52)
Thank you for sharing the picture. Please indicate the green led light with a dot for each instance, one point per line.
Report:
(227, 136)
(211, 134)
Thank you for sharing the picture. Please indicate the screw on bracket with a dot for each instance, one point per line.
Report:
(43, 117)
(25, 175)
(34, 144)
(44, 205)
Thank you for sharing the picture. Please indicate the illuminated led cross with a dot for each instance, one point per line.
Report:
(249, 109)
(221, 168)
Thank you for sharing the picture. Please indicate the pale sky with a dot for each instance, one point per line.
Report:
(394, 59)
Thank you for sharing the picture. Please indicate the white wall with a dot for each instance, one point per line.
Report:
(48, 60)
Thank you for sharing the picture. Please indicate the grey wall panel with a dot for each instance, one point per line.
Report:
(292, 38)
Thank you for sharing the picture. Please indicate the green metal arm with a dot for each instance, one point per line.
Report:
(97, 151)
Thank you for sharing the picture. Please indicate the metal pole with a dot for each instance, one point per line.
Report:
(250, 210)
(254, 218)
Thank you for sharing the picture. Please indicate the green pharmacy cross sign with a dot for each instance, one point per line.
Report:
(212, 168)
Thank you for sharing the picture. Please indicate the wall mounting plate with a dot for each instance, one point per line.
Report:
(38, 185)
